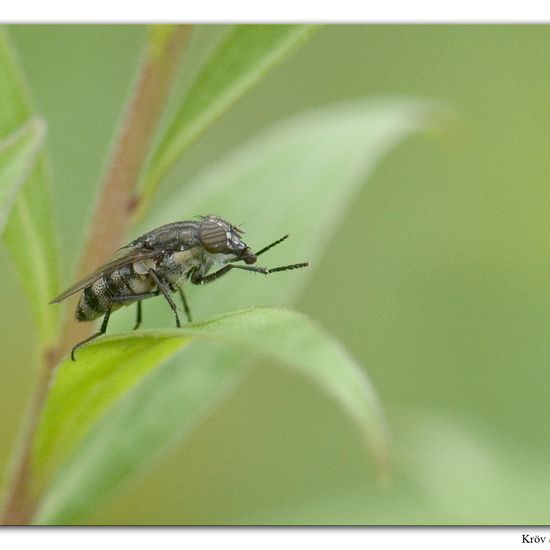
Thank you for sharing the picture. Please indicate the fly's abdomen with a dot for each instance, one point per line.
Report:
(94, 301)
(109, 291)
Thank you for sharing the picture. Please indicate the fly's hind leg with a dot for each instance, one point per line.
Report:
(135, 298)
(93, 336)
(116, 299)
(138, 316)
(185, 306)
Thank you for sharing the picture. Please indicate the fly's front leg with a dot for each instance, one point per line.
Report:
(198, 280)
(101, 331)
(165, 291)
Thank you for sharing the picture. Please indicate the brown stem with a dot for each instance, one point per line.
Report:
(19, 505)
(117, 203)
(113, 216)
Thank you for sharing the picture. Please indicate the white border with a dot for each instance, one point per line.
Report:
(358, 538)
(281, 11)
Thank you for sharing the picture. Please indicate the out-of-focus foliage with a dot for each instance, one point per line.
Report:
(240, 60)
(29, 232)
(437, 279)
(17, 157)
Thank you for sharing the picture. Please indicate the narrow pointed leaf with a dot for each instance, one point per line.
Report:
(17, 159)
(114, 445)
(29, 232)
(240, 61)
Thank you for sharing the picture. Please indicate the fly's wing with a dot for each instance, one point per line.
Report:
(122, 257)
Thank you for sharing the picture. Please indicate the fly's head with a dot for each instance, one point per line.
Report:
(218, 236)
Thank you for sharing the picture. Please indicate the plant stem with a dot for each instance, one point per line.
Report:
(18, 506)
(118, 202)
(113, 216)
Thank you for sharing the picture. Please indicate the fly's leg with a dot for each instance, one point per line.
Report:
(198, 280)
(93, 336)
(135, 298)
(165, 291)
(138, 316)
(185, 305)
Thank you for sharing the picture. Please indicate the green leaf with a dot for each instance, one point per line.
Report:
(125, 433)
(82, 391)
(14, 108)
(245, 55)
(17, 158)
(29, 233)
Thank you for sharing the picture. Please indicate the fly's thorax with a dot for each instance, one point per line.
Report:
(171, 236)
(208, 261)
(174, 267)
(217, 259)
(184, 258)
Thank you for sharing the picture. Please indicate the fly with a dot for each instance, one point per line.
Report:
(159, 262)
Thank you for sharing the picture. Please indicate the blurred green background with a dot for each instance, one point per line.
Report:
(438, 283)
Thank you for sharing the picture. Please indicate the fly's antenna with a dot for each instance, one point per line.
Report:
(270, 246)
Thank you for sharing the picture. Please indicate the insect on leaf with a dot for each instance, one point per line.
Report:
(300, 177)
(321, 160)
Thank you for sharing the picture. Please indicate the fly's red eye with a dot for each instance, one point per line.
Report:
(213, 237)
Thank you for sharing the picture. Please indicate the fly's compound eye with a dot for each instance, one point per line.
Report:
(213, 237)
